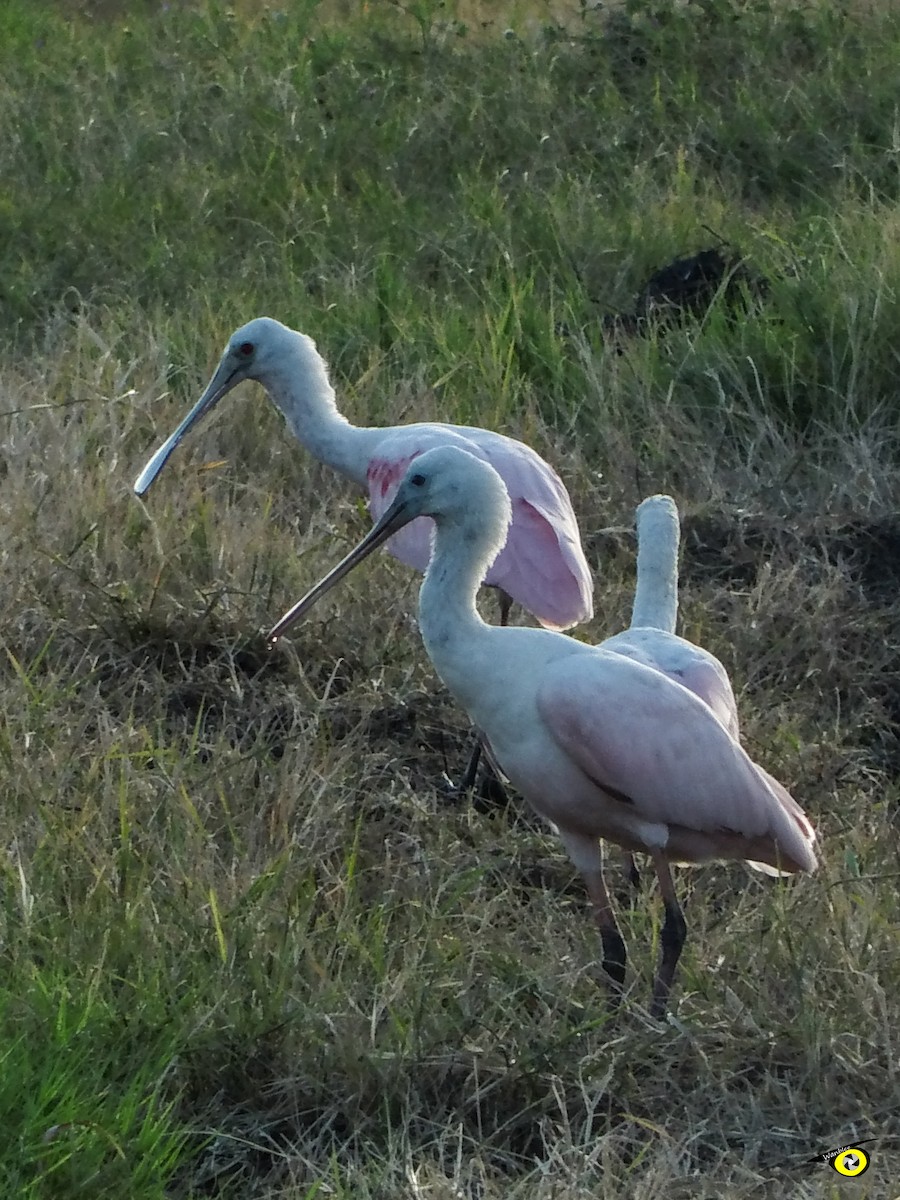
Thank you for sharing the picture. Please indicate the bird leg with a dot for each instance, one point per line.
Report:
(672, 938)
(506, 602)
(631, 870)
(492, 785)
(614, 954)
(471, 772)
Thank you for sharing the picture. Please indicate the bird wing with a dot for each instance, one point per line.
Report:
(542, 566)
(696, 669)
(387, 466)
(637, 733)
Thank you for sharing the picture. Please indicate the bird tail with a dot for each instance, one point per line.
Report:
(793, 835)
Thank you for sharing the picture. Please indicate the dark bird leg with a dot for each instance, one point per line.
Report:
(672, 938)
(614, 954)
(631, 870)
(492, 788)
(471, 772)
(505, 605)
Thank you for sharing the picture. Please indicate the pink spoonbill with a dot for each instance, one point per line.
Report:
(541, 565)
(600, 744)
(651, 637)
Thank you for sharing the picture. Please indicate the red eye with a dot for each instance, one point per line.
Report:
(245, 349)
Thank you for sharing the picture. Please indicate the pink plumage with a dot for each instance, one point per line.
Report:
(602, 743)
(542, 566)
(691, 788)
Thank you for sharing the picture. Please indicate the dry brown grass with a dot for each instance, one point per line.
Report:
(362, 974)
(230, 882)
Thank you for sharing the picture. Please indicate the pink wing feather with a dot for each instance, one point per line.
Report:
(542, 566)
(655, 742)
(696, 669)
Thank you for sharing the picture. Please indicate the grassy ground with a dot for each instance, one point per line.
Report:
(247, 948)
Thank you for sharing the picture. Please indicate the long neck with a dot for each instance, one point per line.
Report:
(304, 395)
(656, 590)
(448, 618)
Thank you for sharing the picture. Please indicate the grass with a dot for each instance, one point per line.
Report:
(247, 948)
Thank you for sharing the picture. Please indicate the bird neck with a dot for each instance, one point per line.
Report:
(656, 589)
(303, 394)
(448, 618)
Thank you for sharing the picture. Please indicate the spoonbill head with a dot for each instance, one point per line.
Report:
(656, 594)
(601, 745)
(259, 350)
(542, 564)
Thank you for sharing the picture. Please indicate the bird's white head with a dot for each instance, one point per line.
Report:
(261, 350)
(446, 483)
(658, 512)
(264, 350)
(450, 484)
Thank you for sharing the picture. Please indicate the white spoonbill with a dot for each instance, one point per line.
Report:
(651, 637)
(541, 566)
(601, 745)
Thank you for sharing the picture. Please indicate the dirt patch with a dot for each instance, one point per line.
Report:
(685, 289)
(731, 551)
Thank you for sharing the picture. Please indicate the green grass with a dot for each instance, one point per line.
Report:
(247, 947)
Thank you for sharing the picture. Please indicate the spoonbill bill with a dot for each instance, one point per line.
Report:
(541, 566)
(601, 745)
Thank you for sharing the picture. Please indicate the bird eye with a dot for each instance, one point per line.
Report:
(417, 480)
(245, 349)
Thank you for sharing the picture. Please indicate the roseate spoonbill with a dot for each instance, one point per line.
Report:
(601, 745)
(651, 638)
(541, 566)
